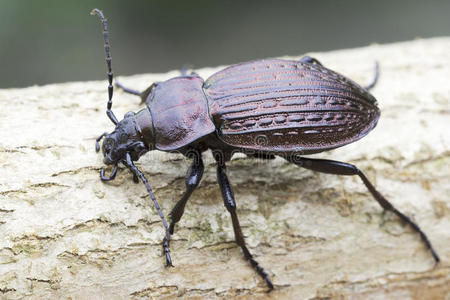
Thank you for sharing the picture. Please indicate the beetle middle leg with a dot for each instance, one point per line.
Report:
(230, 204)
(193, 177)
(128, 90)
(342, 168)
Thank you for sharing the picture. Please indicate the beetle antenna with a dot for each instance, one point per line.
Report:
(129, 163)
(109, 112)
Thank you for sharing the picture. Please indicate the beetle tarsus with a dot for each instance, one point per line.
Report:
(342, 168)
(166, 250)
(230, 204)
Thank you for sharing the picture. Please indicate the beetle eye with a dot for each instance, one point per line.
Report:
(108, 145)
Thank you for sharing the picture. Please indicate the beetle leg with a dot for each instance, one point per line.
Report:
(135, 178)
(230, 204)
(261, 155)
(187, 67)
(193, 177)
(127, 90)
(111, 177)
(143, 94)
(129, 163)
(375, 78)
(341, 168)
(309, 60)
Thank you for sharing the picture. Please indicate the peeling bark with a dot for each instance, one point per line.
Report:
(66, 234)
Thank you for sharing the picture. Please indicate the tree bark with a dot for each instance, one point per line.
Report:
(64, 233)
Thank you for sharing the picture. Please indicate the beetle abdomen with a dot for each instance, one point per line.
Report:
(288, 106)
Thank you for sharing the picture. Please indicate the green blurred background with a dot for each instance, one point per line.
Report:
(49, 41)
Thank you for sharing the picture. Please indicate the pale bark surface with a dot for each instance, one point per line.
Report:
(65, 234)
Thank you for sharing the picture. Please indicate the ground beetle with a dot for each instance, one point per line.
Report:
(262, 108)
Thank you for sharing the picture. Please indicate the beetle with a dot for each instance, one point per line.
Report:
(264, 108)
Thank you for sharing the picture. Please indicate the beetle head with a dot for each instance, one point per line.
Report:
(126, 138)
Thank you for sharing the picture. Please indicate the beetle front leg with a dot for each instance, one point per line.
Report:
(230, 204)
(193, 177)
(342, 168)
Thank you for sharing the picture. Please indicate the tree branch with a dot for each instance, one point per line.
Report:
(66, 233)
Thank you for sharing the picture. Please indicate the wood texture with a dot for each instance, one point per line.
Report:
(65, 234)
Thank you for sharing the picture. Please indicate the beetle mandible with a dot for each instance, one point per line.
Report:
(262, 108)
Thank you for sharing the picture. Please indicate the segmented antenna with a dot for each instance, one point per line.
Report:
(109, 112)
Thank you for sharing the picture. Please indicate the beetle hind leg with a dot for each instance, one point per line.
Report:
(342, 168)
(375, 77)
(230, 204)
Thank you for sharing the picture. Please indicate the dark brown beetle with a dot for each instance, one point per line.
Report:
(263, 108)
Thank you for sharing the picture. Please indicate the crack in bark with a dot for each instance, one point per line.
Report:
(388, 281)
(76, 171)
(102, 220)
(7, 290)
(161, 288)
(31, 237)
(30, 188)
(44, 147)
(443, 155)
(7, 150)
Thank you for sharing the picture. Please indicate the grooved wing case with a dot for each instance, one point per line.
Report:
(288, 106)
